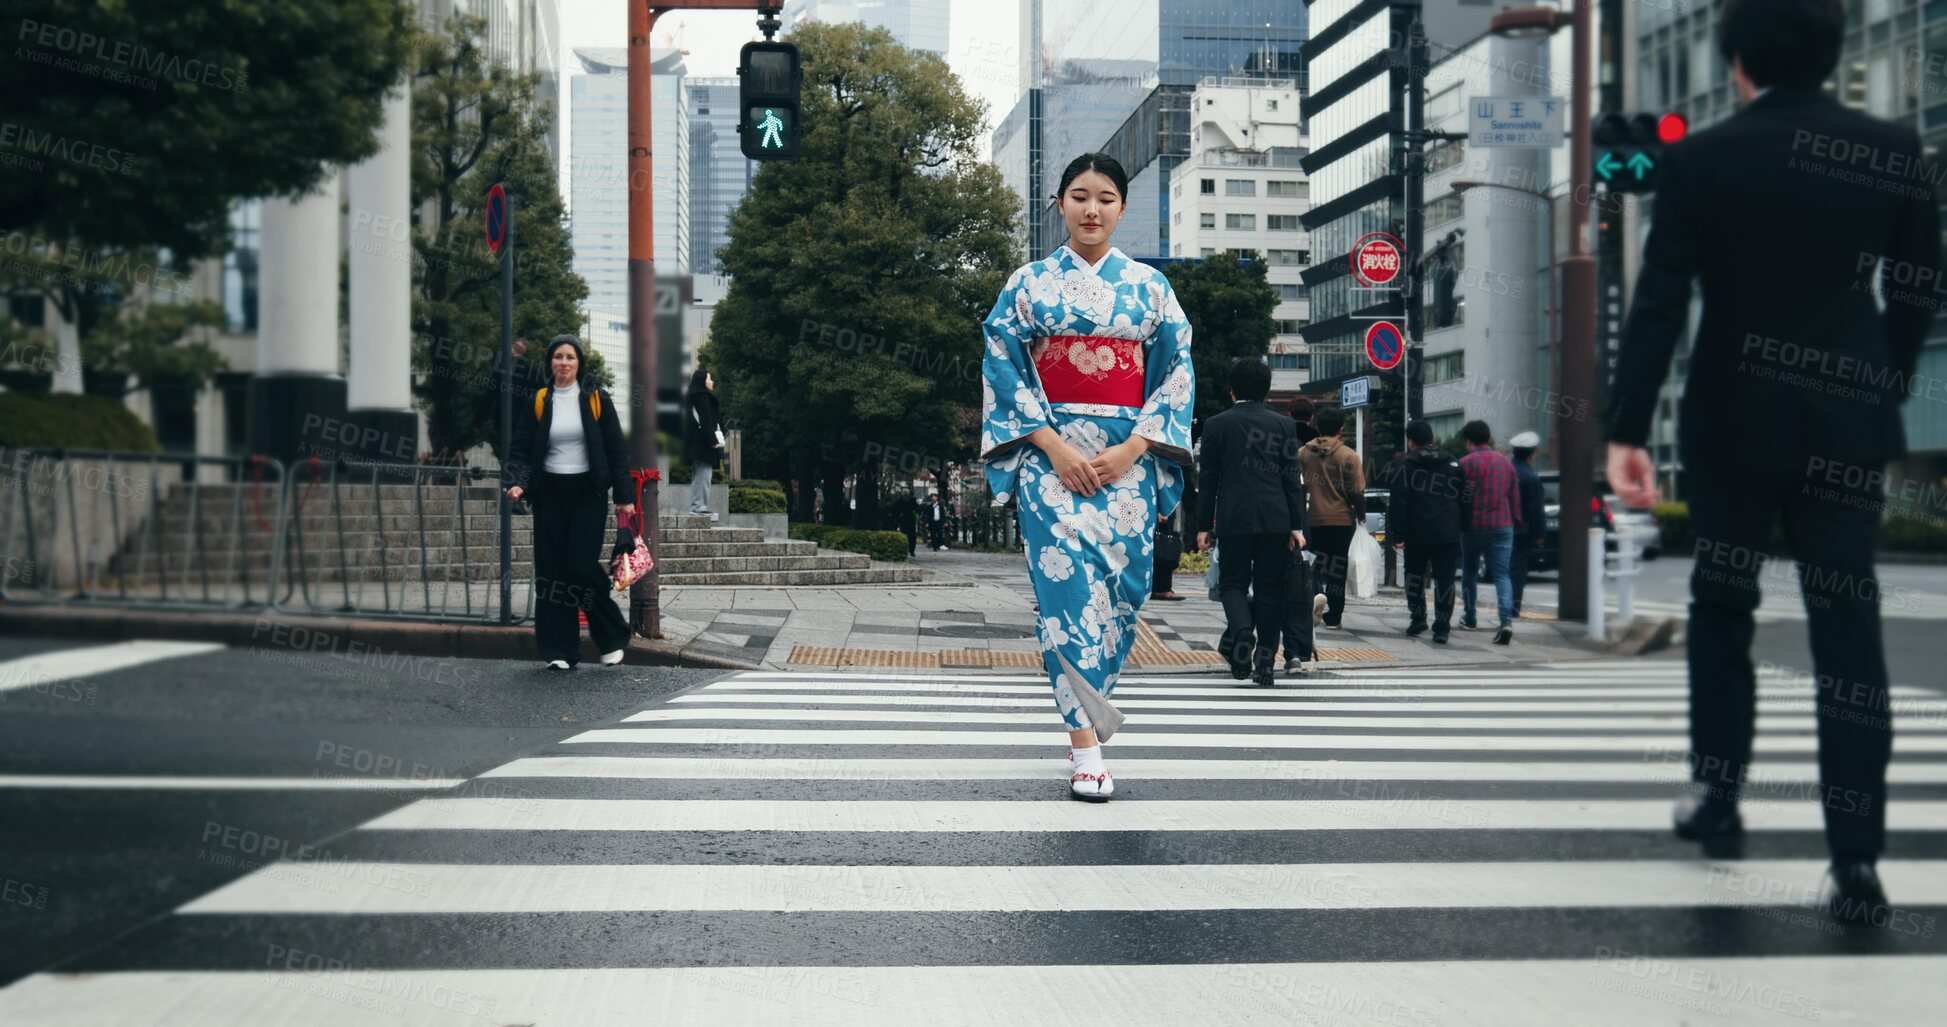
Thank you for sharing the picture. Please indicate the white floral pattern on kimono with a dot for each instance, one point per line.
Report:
(1090, 557)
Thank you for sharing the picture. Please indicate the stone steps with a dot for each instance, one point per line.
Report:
(871, 575)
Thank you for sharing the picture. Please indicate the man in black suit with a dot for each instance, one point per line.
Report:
(1424, 516)
(1800, 216)
(1250, 489)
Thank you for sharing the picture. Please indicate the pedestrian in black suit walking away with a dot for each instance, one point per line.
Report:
(1304, 604)
(1423, 518)
(1797, 214)
(1249, 487)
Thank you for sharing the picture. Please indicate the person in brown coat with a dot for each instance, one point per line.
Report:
(1337, 485)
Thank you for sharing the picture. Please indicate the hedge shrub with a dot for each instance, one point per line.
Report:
(76, 422)
(761, 484)
(1913, 535)
(879, 545)
(1673, 523)
(757, 501)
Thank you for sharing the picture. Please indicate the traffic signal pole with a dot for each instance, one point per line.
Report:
(1576, 430)
(645, 611)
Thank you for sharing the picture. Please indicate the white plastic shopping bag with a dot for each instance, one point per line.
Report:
(1363, 563)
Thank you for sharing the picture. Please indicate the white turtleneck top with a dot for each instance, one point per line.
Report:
(567, 444)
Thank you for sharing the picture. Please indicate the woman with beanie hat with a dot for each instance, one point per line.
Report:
(569, 459)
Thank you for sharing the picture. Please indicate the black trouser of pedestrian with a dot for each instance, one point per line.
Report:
(1165, 579)
(1524, 551)
(570, 524)
(1831, 530)
(936, 533)
(1438, 561)
(1251, 582)
(1331, 542)
(1299, 643)
(912, 541)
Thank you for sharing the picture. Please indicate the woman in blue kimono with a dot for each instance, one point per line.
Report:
(1088, 397)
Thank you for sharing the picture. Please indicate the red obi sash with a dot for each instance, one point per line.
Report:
(1091, 369)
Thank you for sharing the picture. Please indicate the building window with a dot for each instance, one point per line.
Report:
(1445, 367)
(1208, 252)
(1281, 222)
(1445, 426)
(1291, 361)
(1207, 219)
(1241, 222)
(1445, 155)
(1291, 291)
(1290, 325)
(1208, 187)
(1240, 187)
(1289, 258)
(1443, 210)
(240, 269)
(1279, 188)
(1270, 105)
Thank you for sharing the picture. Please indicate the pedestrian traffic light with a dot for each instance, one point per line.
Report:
(1629, 149)
(767, 115)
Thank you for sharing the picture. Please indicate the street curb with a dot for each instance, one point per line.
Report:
(270, 629)
(1646, 636)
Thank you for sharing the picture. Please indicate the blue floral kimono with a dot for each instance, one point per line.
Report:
(1062, 337)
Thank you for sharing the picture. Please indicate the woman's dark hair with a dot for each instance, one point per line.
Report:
(1101, 162)
(1250, 379)
(1782, 42)
(697, 383)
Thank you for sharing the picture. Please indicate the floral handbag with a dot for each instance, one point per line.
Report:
(631, 559)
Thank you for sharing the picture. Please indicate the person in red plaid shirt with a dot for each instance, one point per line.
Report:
(1493, 521)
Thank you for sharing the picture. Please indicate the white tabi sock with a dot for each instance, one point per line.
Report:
(1086, 761)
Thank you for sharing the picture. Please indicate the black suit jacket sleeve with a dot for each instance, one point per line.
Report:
(615, 452)
(1211, 460)
(1914, 255)
(1661, 307)
(1294, 496)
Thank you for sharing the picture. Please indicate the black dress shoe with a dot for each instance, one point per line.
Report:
(1439, 636)
(1240, 671)
(1706, 819)
(1417, 627)
(1467, 623)
(1852, 893)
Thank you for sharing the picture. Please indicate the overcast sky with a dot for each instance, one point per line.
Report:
(981, 44)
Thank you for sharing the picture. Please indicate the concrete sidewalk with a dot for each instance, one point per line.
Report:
(977, 612)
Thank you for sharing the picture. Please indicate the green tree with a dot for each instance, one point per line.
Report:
(1229, 302)
(859, 273)
(475, 123)
(146, 118)
(150, 341)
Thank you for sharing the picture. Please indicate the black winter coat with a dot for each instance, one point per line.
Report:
(1428, 500)
(700, 425)
(608, 457)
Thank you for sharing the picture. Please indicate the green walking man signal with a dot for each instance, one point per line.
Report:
(768, 82)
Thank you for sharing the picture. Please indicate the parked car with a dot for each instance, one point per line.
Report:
(1376, 513)
(1606, 509)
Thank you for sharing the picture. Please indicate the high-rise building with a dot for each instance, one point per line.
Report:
(720, 174)
(525, 35)
(1241, 189)
(1115, 76)
(1353, 113)
(598, 193)
(918, 24)
(1893, 65)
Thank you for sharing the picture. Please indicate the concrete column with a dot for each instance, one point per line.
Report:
(1510, 273)
(297, 380)
(379, 377)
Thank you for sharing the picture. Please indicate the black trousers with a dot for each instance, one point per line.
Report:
(1831, 530)
(570, 524)
(1299, 642)
(1165, 580)
(1437, 561)
(1250, 583)
(936, 533)
(1331, 542)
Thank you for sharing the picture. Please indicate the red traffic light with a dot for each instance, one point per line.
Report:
(1671, 127)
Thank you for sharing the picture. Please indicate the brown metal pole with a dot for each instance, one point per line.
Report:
(645, 610)
(1576, 417)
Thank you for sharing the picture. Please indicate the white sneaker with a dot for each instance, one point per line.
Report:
(1318, 608)
(611, 659)
(559, 665)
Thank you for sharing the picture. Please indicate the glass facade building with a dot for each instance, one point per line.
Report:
(1116, 76)
(918, 24)
(720, 174)
(598, 170)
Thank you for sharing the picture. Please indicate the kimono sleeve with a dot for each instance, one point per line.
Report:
(1172, 382)
(1012, 404)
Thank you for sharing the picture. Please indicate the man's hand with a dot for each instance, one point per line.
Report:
(515, 493)
(1297, 541)
(1203, 541)
(1632, 475)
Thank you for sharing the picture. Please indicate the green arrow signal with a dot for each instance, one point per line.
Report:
(1641, 163)
(1607, 165)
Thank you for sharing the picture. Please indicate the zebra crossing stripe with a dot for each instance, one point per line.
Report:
(725, 702)
(1293, 720)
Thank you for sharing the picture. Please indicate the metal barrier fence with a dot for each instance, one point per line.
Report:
(349, 550)
(139, 529)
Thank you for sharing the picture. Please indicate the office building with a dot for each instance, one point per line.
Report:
(918, 24)
(1241, 189)
(598, 197)
(720, 174)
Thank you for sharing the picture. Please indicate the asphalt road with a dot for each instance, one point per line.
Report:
(83, 864)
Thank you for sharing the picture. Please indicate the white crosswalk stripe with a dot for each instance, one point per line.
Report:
(1442, 846)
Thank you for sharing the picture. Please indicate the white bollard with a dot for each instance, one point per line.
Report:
(1597, 570)
(1626, 577)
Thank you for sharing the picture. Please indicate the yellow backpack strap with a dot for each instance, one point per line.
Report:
(595, 404)
(540, 401)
